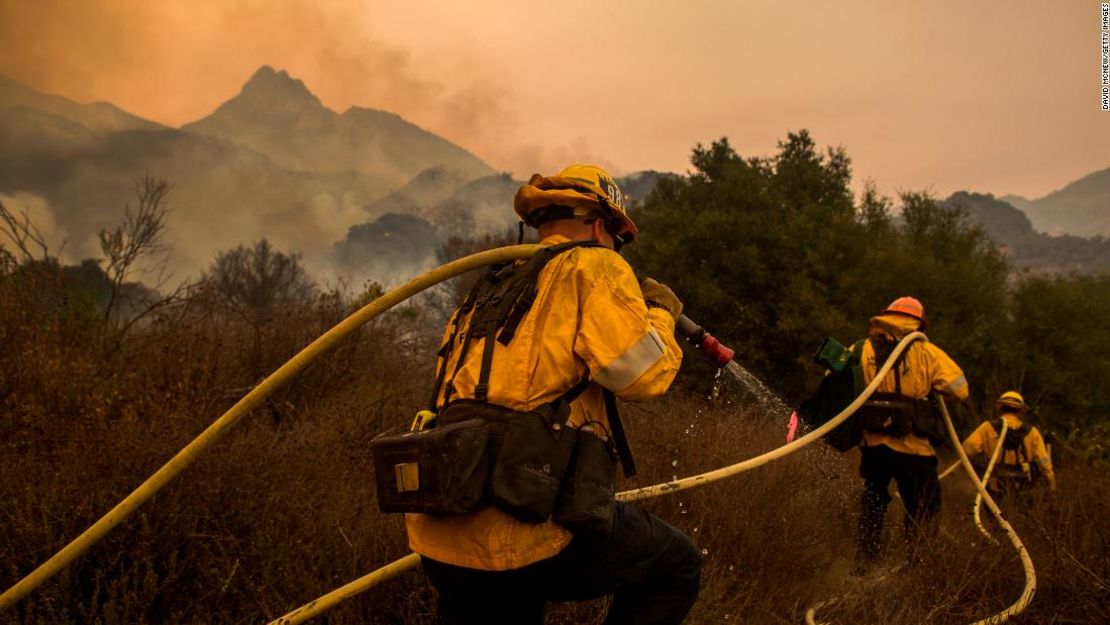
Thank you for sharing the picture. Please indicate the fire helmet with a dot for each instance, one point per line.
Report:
(1013, 399)
(909, 307)
(574, 191)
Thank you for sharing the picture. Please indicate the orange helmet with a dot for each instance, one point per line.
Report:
(576, 190)
(909, 307)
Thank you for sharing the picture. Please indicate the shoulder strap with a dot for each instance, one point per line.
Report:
(616, 426)
(883, 348)
(445, 349)
(500, 300)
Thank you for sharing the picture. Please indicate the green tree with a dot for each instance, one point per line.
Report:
(774, 253)
(1060, 360)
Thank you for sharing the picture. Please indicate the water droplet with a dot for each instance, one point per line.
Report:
(674, 478)
(674, 463)
(704, 552)
(695, 530)
(684, 511)
(687, 431)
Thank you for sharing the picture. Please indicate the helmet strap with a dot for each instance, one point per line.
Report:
(519, 232)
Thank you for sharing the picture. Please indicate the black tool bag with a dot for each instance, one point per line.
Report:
(585, 502)
(528, 456)
(887, 413)
(838, 388)
(443, 470)
(532, 462)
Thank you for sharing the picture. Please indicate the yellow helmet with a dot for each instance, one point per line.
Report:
(1013, 399)
(576, 190)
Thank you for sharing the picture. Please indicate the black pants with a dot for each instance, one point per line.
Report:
(651, 569)
(918, 485)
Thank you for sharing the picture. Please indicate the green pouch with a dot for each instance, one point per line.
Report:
(833, 356)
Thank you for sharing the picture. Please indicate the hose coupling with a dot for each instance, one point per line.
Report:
(717, 352)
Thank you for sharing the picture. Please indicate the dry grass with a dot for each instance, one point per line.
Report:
(282, 510)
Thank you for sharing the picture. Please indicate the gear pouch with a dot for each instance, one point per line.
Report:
(443, 470)
(530, 465)
(887, 413)
(586, 499)
(833, 356)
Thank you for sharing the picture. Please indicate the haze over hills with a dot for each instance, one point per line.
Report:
(1081, 208)
(278, 116)
(96, 116)
(271, 162)
(1029, 250)
(363, 192)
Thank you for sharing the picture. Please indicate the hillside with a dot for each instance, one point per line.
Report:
(1027, 249)
(1081, 208)
(271, 162)
(277, 115)
(96, 116)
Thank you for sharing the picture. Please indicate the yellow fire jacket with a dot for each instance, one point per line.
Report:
(924, 368)
(984, 439)
(589, 317)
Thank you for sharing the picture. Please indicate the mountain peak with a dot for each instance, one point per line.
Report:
(273, 89)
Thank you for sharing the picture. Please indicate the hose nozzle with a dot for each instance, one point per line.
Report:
(716, 351)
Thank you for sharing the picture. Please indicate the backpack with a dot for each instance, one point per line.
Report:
(895, 414)
(1021, 469)
(475, 453)
(840, 386)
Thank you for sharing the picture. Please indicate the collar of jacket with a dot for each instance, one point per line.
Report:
(893, 325)
(553, 239)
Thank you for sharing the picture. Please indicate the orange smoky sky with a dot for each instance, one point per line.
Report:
(939, 96)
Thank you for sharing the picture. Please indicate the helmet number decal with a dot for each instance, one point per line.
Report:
(612, 192)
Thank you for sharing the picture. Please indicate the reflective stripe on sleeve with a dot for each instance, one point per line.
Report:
(956, 384)
(630, 365)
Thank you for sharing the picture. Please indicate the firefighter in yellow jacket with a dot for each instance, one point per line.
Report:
(591, 317)
(1024, 460)
(900, 425)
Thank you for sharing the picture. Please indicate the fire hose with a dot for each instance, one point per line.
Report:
(1026, 562)
(184, 458)
(250, 401)
(976, 510)
(362, 584)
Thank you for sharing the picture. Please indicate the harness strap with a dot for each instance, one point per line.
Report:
(448, 345)
(624, 452)
(516, 301)
(884, 348)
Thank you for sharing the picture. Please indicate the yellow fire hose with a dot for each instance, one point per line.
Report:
(252, 400)
(976, 510)
(1026, 562)
(362, 584)
(952, 467)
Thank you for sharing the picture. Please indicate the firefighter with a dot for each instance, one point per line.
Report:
(592, 327)
(900, 425)
(1025, 459)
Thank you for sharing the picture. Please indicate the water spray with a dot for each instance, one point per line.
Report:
(717, 352)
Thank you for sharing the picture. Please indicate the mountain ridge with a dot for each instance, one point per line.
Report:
(276, 114)
(1081, 207)
(81, 161)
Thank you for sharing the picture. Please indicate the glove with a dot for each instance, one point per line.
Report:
(658, 295)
